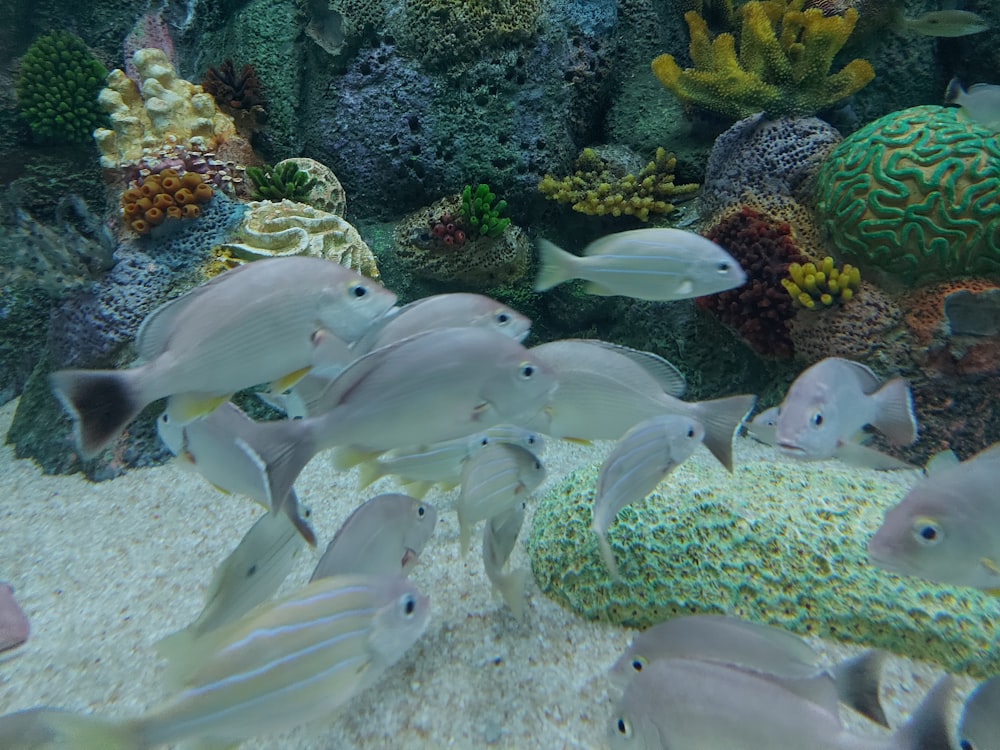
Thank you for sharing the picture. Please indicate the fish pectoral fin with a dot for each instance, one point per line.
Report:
(183, 408)
(285, 382)
(990, 565)
(858, 455)
(577, 441)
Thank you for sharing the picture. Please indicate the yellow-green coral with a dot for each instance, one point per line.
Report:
(595, 190)
(783, 65)
(825, 284)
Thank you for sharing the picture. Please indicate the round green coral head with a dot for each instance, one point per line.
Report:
(916, 194)
(57, 88)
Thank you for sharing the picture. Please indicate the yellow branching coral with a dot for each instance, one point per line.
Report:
(825, 284)
(595, 189)
(783, 64)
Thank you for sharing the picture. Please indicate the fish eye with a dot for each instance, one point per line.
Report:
(484, 441)
(532, 439)
(638, 664)
(307, 512)
(408, 604)
(503, 318)
(965, 745)
(723, 266)
(538, 465)
(926, 531)
(817, 419)
(527, 370)
(359, 290)
(165, 418)
(624, 727)
(421, 511)
(690, 431)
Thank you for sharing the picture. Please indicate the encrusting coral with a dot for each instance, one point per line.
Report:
(156, 198)
(826, 284)
(596, 189)
(783, 64)
(280, 182)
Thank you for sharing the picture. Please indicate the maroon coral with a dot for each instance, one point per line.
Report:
(760, 310)
(234, 90)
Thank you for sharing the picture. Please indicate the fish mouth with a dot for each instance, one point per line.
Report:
(409, 556)
(791, 448)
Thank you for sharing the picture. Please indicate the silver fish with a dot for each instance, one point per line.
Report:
(249, 576)
(604, 390)
(255, 324)
(707, 705)
(494, 481)
(945, 23)
(499, 537)
(214, 447)
(435, 386)
(384, 535)
(636, 465)
(14, 627)
(659, 264)
(762, 427)
(979, 725)
(420, 468)
(830, 402)
(947, 527)
(981, 102)
(769, 652)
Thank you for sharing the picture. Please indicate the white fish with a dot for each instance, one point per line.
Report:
(947, 527)
(247, 577)
(383, 536)
(421, 467)
(979, 726)
(605, 390)
(635, 466)
(653, 264)
(981, 102)
(770, 652)
(707, 705)
(762, 427)
(214, 447)
(944, 23)
(828, 405)
(255, 324)
(286, 663)
(499, 537)
(434, 386)
(494, 481)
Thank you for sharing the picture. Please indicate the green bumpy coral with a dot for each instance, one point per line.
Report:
(480, 215)
(284, 181)
(826, 284)
(916, 194)
(57, 88)
(783, 65)
(774, 543)
(594, 189)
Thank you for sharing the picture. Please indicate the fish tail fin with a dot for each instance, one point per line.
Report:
(608, 555)
(280, 451)
(418, 490)
(858, 682)
(896, 419)
(511, 587)
(928, 727)
(557, 265)
(721, 418)
(294, 513)
(346, 457)
(57, 729)
(102, 403)
(954, 91)
(369, 472)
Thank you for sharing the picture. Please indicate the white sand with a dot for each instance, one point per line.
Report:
(105, 570)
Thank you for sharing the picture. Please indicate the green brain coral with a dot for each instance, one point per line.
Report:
(780, 544)
(915, 193)
(57, 88)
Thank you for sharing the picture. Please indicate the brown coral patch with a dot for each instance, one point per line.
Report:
(925, 314)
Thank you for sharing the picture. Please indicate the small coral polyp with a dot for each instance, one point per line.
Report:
(448, 229)
(152, 200)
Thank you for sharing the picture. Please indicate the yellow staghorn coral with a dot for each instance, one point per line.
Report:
(783, 64)
(595, 190)
(826, 284)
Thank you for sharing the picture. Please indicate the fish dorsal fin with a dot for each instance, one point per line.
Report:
(867, 379)
(154, 332)
(988, 459)
(940, 461)
(666, 374)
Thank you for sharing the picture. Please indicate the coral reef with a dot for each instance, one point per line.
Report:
(57, 88)
(164, 197)
(285, 181)
(225, 173)
(915, 194)
(238, 94)
(275, 228)
(478, 262)
(596, 188)
(825, 284)
(167, 111)
(760, 310)
(747, 545)
(783, 65)
(326, 192)
(480, 215)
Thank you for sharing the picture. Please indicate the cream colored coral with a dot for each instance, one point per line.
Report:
(327, 194)
(272, 229)
(165, 110)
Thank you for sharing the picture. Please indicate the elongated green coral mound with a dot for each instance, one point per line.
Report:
(782, 67)
(917, 194)
(480, 214)
(780, 544)
(57, 88)
(284, 181)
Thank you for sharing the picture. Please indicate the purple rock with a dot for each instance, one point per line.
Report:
(14, 626)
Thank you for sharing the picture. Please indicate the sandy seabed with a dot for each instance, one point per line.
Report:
(105, 570)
